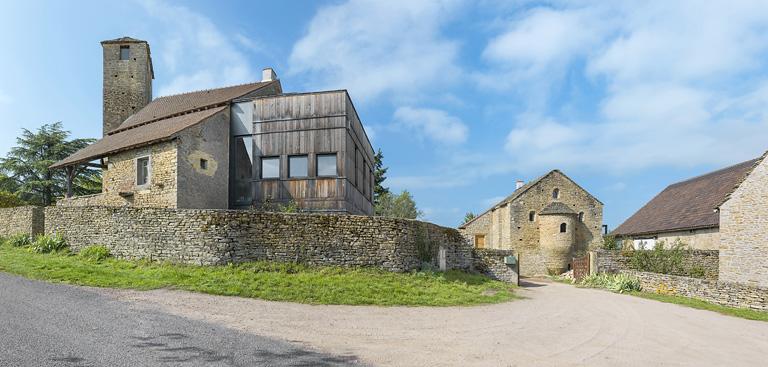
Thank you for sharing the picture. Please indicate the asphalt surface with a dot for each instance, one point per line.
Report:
(44, 324)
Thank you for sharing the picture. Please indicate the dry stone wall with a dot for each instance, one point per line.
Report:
(226, 236)
(744, 231)
(491, 263)
(22, 220)
(723, 293)
(607, 261)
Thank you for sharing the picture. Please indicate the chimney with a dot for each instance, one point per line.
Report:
(268, 75)
(519, 184)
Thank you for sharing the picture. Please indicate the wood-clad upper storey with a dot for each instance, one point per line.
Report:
(296, 138)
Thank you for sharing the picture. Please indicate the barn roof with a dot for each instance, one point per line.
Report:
(161, 119)
(689, 204)
(556, 207)
(155, 132)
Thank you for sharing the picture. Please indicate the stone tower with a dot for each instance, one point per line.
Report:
(556, 235)
(128, 78)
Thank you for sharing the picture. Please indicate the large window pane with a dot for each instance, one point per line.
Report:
(243, 167)
(270, 167)
(142, 171)
(326, 164)
(297, 166)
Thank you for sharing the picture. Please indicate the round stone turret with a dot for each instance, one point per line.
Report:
(557, 223)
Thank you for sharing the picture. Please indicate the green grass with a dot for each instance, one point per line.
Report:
(744, 313)
(269, 281)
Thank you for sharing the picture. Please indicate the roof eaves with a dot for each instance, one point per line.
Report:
(749, 172)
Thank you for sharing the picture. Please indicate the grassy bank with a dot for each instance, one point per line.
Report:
(626, 284)
(744, 313)
(269, 281)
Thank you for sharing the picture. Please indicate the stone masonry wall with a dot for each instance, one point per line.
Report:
(120, 177)
(491, 263)
(723, 293)
(616, 261)
(22, 220)
(744, 231)
(224, 236)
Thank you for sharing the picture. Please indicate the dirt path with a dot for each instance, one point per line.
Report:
(556, 325)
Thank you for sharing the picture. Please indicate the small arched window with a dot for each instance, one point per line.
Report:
(581, 216)
(531, 216)
(555, 193)
(563, 228)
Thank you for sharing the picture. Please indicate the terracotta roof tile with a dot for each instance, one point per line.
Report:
(143, 135)
(164, 107)
(556, 207)
(688, 204)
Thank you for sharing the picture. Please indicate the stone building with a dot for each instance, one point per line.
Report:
(722, 210)
(249, 145)
(545, 222)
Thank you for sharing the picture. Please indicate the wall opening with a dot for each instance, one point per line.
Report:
(563, 228)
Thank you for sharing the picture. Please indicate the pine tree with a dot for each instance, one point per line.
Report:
(28, 165)
(379, 175)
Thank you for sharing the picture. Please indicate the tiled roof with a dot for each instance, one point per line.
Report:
(556, 207)
(143, 135)
(169, 106)
(124, 40)
(689, 204)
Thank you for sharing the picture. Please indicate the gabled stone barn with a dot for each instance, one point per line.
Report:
(546, 222)
(724, 210)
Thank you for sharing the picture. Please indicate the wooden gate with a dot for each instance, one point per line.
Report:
(580, 266)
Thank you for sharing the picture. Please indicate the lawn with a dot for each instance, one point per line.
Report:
(744, 313)
(264, 280)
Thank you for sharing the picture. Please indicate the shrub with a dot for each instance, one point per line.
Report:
(610, 243)
(660, 259)
(48, 243)
(614, 282)
(95, 253)
(10, 200)
(20, 240)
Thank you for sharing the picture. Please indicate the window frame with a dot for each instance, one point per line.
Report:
(563, 227)
(261, 167)
(335, 164)
(148, 178)
(556, 193)
(128, 53)
(479, 236)
(532, 216)
(581, 217)
(306, 158)
(203, 164)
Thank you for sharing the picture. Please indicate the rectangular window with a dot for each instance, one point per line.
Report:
(480, 240)
(270, 167)
(142, 171)
(242, 161)
(326, 165)
(125, 52)
(297, 166)
(354, 168)
(203, 164)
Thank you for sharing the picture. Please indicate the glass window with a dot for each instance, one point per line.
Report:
(142, 171)
(125, 52)
(297, 166)
(270, 167)
(326, 164)
(242, 161)
(581, 216)
(555, 193)
(563, 228)
(203, 164)
(531, 216)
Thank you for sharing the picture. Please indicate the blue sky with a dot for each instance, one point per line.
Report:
(463, 97)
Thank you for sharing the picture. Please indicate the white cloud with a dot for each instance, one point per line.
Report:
(677, 84)
(195, 53)
(432, 124)
(374, 48)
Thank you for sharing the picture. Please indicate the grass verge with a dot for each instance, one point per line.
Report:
(264, 280)
(744, 313)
